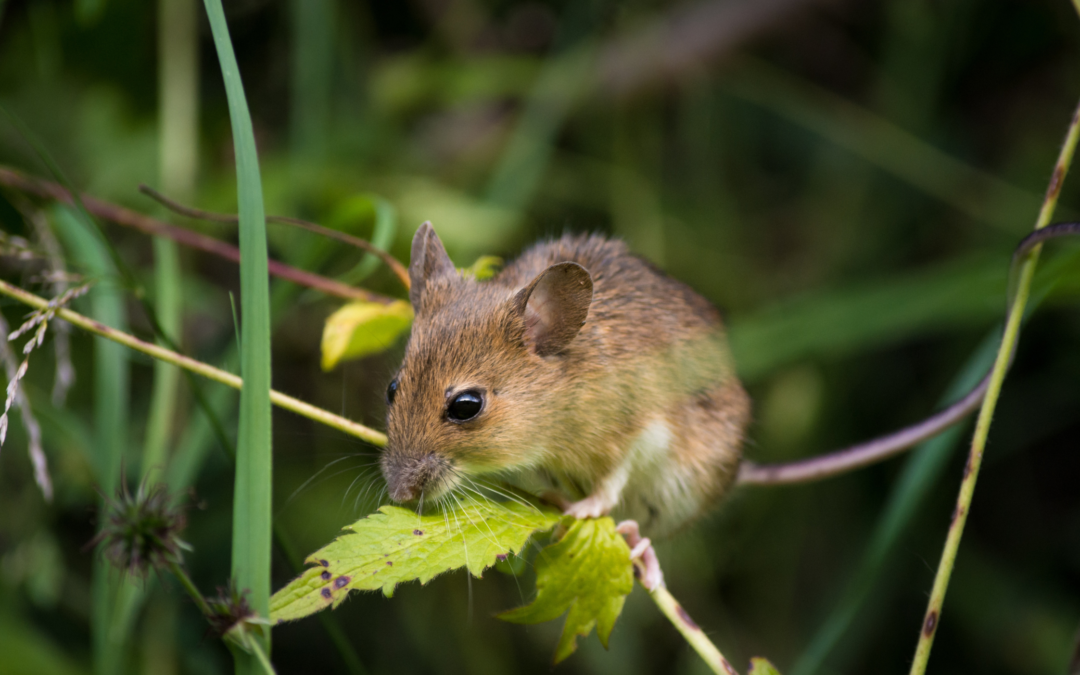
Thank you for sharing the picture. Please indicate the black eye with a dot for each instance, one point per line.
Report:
(465, 406)
(391, 390)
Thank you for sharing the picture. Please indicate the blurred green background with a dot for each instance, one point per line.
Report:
(845, 179)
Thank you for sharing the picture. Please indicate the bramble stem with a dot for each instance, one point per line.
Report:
(691, 631)
(986, 413)
(198, 367)
(146, 224)
(362, 244)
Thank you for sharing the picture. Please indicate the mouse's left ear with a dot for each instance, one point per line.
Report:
(554, 307)
(429, 261)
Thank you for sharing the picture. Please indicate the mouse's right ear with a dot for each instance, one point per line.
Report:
(429, 261)
(554, 307)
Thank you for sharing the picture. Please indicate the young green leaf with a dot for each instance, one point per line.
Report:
(485, 267)
(760, 666)
(587, 572)
(396, 545)
(362, 328)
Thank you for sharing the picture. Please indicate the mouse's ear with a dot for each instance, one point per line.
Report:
(429, 261)
(554, 307)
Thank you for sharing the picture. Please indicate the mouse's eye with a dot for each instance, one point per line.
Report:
(465, 406)
(391, 391)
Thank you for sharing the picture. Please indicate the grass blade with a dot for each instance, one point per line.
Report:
(252, 497)
(111, 387)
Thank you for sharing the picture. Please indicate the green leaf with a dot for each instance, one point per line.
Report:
(760, 666)
(362, 328)
(396, 545)
(485, 267)
(589, 573)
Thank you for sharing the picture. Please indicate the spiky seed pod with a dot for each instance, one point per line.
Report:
(233, 619)
(141, 530)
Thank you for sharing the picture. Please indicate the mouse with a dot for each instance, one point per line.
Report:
(583, 372)
(580, 370)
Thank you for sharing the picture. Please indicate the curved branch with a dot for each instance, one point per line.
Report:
(198, 367)
(878, 449)
(363, 244)
(146, 224)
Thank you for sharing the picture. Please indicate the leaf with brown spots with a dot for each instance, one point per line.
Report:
(587, 572)
(395, 545)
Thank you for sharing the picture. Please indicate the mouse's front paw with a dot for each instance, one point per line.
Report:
(590, 507)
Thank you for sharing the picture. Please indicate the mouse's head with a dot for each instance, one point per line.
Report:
(479, 371)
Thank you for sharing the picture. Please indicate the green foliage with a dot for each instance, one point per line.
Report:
(760, 666)
(485, 267)
(362, 328)
(397, 545)
(588, 574)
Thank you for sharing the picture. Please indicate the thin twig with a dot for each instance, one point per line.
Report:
(198, 367)
(154, 227)
(982, 427)
(191, 589)
(691, 631)
(363, 244)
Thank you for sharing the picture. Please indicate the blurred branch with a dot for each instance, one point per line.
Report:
(982, 426)
(865, 134)
(198, 367)
(345, 238)
(686, 40)
(151, 226)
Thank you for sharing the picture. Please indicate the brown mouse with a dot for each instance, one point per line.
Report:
(580, 368)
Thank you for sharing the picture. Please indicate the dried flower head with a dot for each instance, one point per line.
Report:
(142, 530)
(233, 619)
(229, 608)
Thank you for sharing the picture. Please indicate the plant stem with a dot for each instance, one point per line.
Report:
(691, 631)
(143, 223)
(198, 367)
(191, 589)
(986, 413)
(364, 245)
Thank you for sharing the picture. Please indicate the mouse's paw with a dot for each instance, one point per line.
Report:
(591, 507)
(642, 555)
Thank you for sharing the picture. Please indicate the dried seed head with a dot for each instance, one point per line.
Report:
(142, 530)
(232, 618)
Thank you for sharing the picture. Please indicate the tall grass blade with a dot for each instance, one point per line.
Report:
(252, 496)
(111, 387)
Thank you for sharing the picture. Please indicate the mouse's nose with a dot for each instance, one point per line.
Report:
(407, 476)
(402, 492)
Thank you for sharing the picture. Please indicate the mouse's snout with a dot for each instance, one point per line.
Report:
(409, 476)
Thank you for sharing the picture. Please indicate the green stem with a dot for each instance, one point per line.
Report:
(191, 589)
(982, 427)
(198, 367)
(691, 631)
(260, 656)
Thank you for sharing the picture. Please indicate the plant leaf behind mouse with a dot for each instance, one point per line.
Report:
(587, 572)
(396, 545)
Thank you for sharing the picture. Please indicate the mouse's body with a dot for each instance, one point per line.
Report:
(579, 366)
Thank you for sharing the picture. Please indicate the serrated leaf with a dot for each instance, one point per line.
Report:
(587, 572)
(760, 666)
(396, 545)
(363, 328)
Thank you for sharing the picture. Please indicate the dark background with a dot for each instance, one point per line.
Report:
(845, 179)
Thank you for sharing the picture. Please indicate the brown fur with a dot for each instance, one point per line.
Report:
(640, 409)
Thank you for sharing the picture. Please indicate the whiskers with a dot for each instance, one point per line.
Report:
(368, 476)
